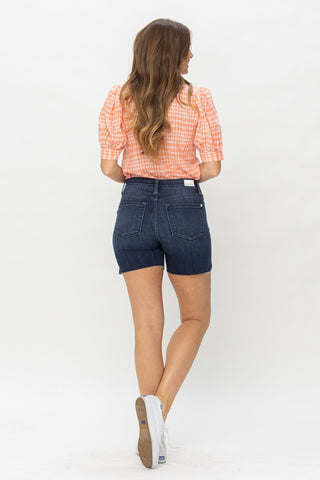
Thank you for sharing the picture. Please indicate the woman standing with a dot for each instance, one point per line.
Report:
(158, 119)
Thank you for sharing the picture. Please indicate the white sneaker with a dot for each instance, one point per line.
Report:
(163, 446)
(151, 424)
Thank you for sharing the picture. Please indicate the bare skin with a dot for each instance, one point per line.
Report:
(194, 296)
(145, 293)
(185, 63)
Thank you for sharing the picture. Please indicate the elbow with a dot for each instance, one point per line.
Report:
(107, 166)
(214, 168)
(217, 168)
(104, 171)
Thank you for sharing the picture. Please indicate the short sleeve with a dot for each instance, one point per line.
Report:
(208, 137)
(112, 139)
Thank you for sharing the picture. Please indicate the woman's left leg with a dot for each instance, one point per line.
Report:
(145, 293)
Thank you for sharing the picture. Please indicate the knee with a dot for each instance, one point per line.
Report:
(148, 328)
(206, 319)
(203, 322)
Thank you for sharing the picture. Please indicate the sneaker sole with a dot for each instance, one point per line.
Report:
(144, 442)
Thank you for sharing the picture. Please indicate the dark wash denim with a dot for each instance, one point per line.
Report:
(162, 218)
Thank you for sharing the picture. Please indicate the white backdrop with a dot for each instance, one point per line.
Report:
(249, 405)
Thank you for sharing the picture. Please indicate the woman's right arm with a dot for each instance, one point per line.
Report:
(209, 170)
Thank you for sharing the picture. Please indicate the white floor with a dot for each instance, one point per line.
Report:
(92, 435)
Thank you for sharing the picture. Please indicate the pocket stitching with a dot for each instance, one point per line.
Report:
(140, 215)
(172, 224)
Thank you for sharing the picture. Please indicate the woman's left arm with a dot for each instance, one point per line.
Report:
(113, 170)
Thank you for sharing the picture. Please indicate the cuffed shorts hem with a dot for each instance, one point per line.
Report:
(130, 269)
(207, 270)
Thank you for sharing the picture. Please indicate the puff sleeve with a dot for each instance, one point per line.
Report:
(208, 137)
(112, 139)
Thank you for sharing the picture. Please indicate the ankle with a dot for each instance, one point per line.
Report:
(163, 402)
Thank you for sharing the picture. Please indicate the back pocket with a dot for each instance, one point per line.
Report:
(129, 218)
(186, 221)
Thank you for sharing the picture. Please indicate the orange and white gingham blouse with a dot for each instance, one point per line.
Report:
(190, 130)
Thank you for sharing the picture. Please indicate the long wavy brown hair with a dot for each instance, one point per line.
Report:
(158, 51)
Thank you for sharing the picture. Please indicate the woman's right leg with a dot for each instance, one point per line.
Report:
(194, 297)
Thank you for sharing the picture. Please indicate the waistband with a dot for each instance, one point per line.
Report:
(164, 182)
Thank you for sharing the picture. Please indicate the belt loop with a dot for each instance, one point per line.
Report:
(155, 185)
(197, 185)
(124, 184)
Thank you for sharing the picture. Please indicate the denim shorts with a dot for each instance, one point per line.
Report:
(161, 219)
